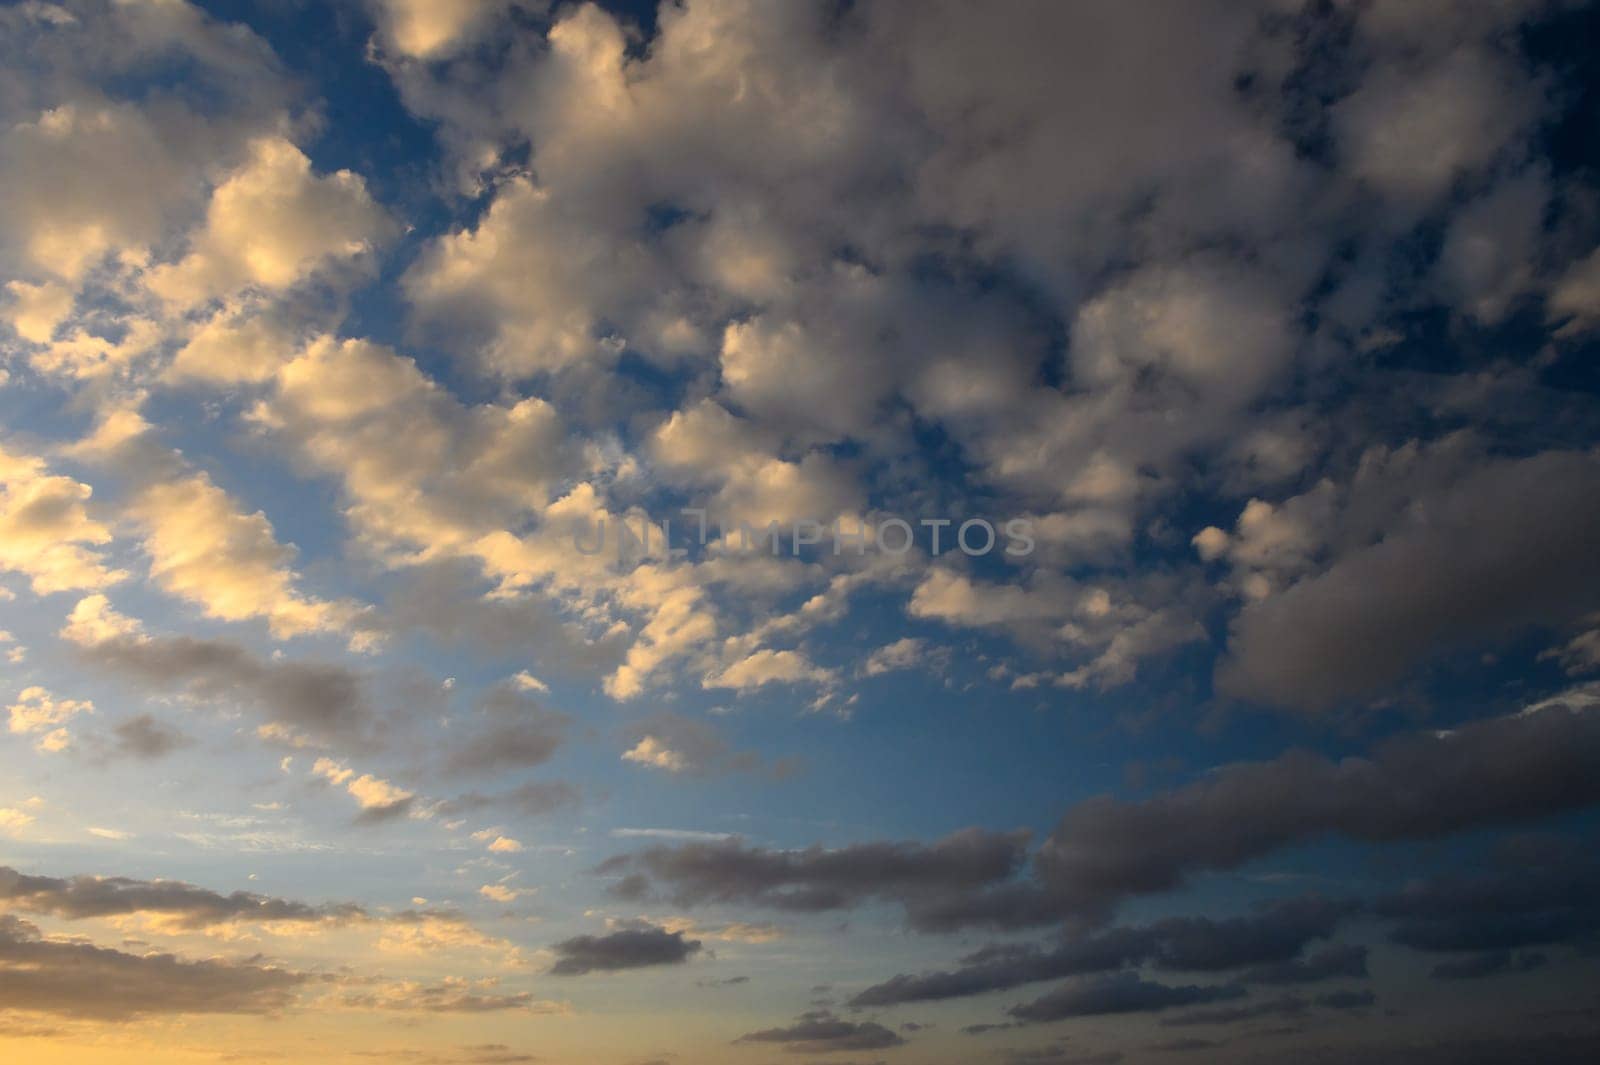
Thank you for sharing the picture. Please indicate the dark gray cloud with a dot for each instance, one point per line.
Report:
(535, 798)
(1491, 963)
(1347, 1000)
(1276, 935)
(819, 1031)
(1125, 993)
(1415, 786)
(1510, 545)
(143, 736)
(1529, 900)
(1341, 961)
(83, 981)
(1106, 850)
(1283, 1006)
(631, 948)
(1185, 1046)
(445, 601)
(817, 879)
(79, 897)
(1061, 1055)
(510, 730)
(322, 700)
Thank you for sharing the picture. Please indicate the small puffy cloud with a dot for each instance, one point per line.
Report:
(1210, 543)
(379, 799)
(766, 666)
(674, 743)
(496, 842)
(528, 682)
(434, 29)
(94, 620)
(14, 820)
(37, 710)
(904, 653)
(650, 751)
(501, 893)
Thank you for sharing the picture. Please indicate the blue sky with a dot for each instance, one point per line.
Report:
(1265, 334)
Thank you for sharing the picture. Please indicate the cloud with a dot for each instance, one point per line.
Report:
(631, 948)
(509, 731)
(497, 843)
(94, 620)
(1106, 850)
(451, 996)
(144, 736)
(766, 666)
(676, 744)
(1275, 935)
(1331, 963)
(536, 798)
(817, 879)
(270, 225)
(1415, 786)
(80, 980)
(1524, 898)
(1481, 966)
(1118, 994)
(37, 710)
(1411, 133)
(1575, 300)
(46, 530)
(1284, 1006)
(904, 653)
(820, 1032)
(434, 29)
(1502, 549)
(181, 906)
(323, 700)
(203, 546)
(379, 799)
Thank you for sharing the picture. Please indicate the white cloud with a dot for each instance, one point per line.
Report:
(46, 530)
(271, 224)
(37, 710)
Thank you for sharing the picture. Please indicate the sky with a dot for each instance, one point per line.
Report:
(732, 533)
